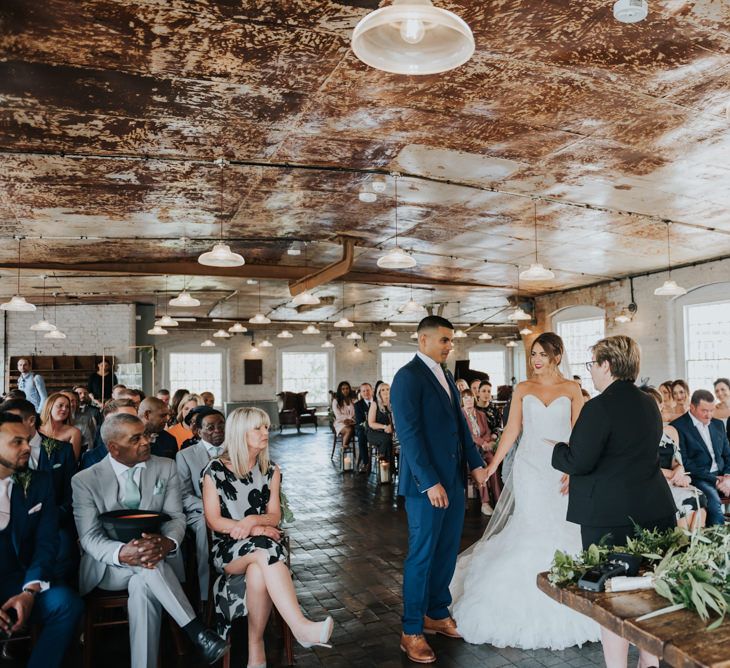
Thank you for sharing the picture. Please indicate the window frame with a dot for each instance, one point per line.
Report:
(508, 360)
(578, 313)
(396, 348)
(329, 352)
(196, 350)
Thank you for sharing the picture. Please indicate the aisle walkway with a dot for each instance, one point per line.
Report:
(348, 544)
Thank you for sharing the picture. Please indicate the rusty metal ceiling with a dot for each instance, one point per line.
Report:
(113, 112)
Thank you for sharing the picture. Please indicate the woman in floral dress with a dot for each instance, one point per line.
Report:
(242, 509)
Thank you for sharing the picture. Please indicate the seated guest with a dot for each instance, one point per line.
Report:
(362, 406)
(117, 391)
(485, 405)
(81, 423)
(722, 393)
(211, 425)
(462, 385)
(343, 408)
(15, 394)
(484, 440)
(28, 548)
(689, 500)
(380, 422)
(680, 394)
(57, 459)
(154, 414)
(103, 376)
(56, 422)
(705, 452)
(179, 430)
(87, 406)
(136, 395)
(208, 399)
(164, 395)
(241, 504)
(99, 451)
(131, 477)
(668, 404)
(175, 403)
(193, 425)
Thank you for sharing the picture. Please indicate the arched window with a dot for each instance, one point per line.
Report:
(580, 327)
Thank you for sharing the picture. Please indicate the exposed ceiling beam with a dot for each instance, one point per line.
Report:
(326, 274)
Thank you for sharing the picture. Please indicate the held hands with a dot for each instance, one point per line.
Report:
(23, 605)
(480, 476)
(243, 528)
(438, 497)
(147, 551)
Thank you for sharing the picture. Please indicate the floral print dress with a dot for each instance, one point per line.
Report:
(239, 498)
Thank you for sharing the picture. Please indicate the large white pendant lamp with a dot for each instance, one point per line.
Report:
(55, 333)
(669, 288)
(412, 37)
(17, 301)
(396, 257)
(284, 334)
(43, 325)
(305, 298)
(310, 329)
(536, 272)
(184, 300)
(221, 254)
(259, 318)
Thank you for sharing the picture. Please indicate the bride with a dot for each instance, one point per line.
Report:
(495, 596)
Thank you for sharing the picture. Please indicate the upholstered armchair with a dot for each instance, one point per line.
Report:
(293, 410)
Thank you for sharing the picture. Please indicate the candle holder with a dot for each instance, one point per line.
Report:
(384, 471)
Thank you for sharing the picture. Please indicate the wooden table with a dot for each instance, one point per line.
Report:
(678, 638)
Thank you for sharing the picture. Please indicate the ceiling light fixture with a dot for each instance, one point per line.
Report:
(55, 333)
(207, 344)
(378, 184)
(630, 11)
(460, 334)
(356, 347)
(266, 343)
(396, 257)
(17, 301)
(328, 342)
(414, 335)
(388, 333)
(254, 348)
(623, 317)
(627, 314)
(259, 318)
(284, 334)
(237, 327)
(519, 314)
(525, 331)
(221, 254)
(511, 344)
(43, 325)
(412, 37)
(305, 298)
(353, 336)
(166, 321)
(536, 272)
(485, 336)
(184, 300)
(157, 331)
(222, 334)
(295, 249)
(385, 344)
(310, 329)
(366, 195)
(251, 281)
(343, 321)
(669, 288)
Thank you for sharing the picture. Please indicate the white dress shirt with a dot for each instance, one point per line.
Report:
(35, 451)
(438, 372)
(704, 430)
(213, 450)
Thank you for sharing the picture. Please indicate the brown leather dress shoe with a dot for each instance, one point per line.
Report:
(416, 648)
(446, 627)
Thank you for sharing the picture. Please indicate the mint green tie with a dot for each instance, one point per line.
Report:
(132, 496)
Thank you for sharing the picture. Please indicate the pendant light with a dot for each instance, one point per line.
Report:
(310, 329)
(356, 347)
(305, 298)
(459, 333)
(385, 344)
(414, 335)
(396, 257)
(166, 320)
(412, 306)
(536, 272)
(366, 195)
(254, 347)
(207, 344)
(485, 336)
(55, 333)
(328, 342)
(17, 301)
(388, 333)
(222, 334)
(157, 330)
(518, 313)
(184, 300)
(343, 322)
(353, 336)
(259, 318)
(266, 343)
(627, 313)
(221, 254)
(284, 334)
(525, 331)
(378, 184)
(412, 37)
(43, 325)
(669, 288)
(511, 344)
(237, 327)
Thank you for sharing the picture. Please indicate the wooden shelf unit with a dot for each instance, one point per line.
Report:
(60, 372)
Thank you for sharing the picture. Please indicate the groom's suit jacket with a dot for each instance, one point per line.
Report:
(96, 491)
(695, 455)
(435, 442)
(613, 461)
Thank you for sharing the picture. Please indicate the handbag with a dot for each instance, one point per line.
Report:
(379, 438)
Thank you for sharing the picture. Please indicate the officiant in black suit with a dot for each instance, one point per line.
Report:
(362, 406)
(613, 463)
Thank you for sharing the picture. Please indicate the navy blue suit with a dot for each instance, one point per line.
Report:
(361, 430)
(697, 461)
(165, 445)
(28, 548)
(95, 455)
(436, 447)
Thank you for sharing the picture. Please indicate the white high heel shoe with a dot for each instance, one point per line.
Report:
(327, 628)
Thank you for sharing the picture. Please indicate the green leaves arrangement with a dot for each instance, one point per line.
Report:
(691, 569)
(287, 516)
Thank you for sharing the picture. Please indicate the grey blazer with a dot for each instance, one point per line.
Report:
(96, 491)
(190, 464)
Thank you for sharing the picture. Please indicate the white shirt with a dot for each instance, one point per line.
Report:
(438, 372)
(35, 451)
(213, 450)
(704, 430)
(6, 494)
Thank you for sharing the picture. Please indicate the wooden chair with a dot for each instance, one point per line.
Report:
(293, 410)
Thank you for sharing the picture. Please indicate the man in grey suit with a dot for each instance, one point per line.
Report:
(130, 477)
(211, 427)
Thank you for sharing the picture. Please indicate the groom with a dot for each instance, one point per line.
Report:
(436, 448)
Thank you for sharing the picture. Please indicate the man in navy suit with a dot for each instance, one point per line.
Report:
(436, 450)
(28, 547)
(705, 452)
(57, 458)
(362, 406)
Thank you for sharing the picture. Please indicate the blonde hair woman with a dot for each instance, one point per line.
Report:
(56, 422)
(181, 430)
(242, 509)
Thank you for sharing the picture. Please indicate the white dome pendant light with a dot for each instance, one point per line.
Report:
(536, 272)
(412, 37)
(55, 333)
(669, 288)
(17, 301)
(221, 254)
(396, 257)
(259, 318)
(43, 325)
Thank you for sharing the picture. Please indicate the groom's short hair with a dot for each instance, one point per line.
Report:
(433, 322)
(622, 354)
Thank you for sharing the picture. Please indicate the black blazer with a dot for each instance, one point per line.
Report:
(361, 414)
(613, 461)
(695, 456)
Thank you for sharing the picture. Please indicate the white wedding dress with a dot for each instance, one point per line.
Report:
(494, 590)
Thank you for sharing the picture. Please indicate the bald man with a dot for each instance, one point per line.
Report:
(155, 413)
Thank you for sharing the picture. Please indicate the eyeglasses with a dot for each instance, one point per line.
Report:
(590, 364)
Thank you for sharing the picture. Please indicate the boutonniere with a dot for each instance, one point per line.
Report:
(50, 445)
(23, 479)
(159, 487)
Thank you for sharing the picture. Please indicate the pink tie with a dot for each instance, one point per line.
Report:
(442, 379)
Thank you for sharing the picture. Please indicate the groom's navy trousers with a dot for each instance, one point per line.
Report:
(436, 447)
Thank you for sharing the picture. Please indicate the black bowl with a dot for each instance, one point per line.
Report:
(127, 524)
